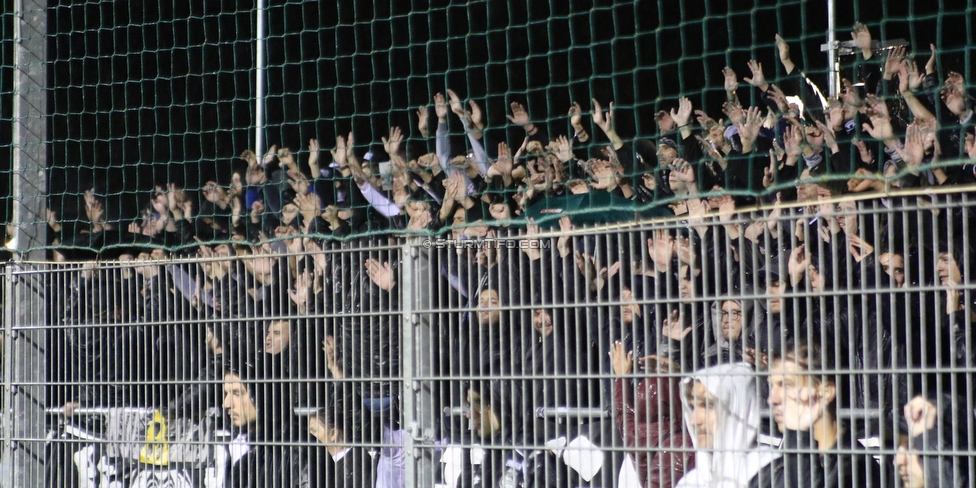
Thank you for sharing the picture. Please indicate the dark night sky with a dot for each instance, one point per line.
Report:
(149, 92)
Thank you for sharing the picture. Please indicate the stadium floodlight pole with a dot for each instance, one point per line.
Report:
(832, 52)
(260, 80)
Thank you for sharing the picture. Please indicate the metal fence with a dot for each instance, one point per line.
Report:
(831, 342)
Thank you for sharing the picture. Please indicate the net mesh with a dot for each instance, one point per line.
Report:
(144, 96)
(861, 279)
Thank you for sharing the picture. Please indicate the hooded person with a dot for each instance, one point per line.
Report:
(734, 325)
(721, 411)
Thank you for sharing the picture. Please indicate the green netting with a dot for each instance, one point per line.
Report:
(147, 94)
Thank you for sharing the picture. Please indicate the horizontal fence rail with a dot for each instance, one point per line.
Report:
(836, 338)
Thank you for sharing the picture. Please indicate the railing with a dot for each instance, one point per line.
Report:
(510, 365)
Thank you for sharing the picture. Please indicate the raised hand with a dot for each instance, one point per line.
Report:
(392, 144)
(520, 116)
(562, 147)
(893, 61)
(601, 120)
(309, 205)
(858, 248)
(477, 117)
(621, 360)
(286, 158)
(251, 158)
(862, 38)
(456, 106)
(380, 274)
(313, 157)
(682, 116)
(749, 130)
(731, 80)
(673, 327)
(270, 155)
(440, 108)
(340, 152)
(784, 53)
(930, 64)
(423, 120)
(798, 263)
(758, 79)
(734, 112)
(682, 171)
(298, 182)
(920, 415)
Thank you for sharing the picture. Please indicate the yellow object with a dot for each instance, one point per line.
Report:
(156, 450)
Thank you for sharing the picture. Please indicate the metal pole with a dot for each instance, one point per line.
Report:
(25, 346)
(260, 80)
(832, 52)
(410, 386)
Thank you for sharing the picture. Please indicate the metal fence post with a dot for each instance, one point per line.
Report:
(6, 470)
(418, 365)
(407, 350)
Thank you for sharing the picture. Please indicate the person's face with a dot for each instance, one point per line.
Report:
(795, 402)
(236, 184)
(948, 269)
(805, 190)
(774, 291)
(237, 402)
(686, 286)
(416, 209)
(677, 186)
(277, 337)
(542, 322)
(484, 423)
(817, 280)
(815, 137)
(460, 218)
(894, 266)
(665, 155)
(318, 429)
(603, 175)
(731, 320)
(703, 418)
(630, 308)
(489, 299)
(223, 251)
(288, 213)
(909, 467)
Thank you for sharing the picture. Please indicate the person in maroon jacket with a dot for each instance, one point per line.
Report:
(648, 418)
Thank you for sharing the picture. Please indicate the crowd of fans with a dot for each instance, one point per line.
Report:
(837, 298)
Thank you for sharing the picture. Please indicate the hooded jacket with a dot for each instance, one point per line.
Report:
(721, 350)
(734, 458)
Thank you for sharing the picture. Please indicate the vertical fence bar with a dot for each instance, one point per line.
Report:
(7, 427)
(28, 181)
(25, 349)
(408, 343)
(260, 80)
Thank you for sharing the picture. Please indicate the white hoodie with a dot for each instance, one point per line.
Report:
(734, 458)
